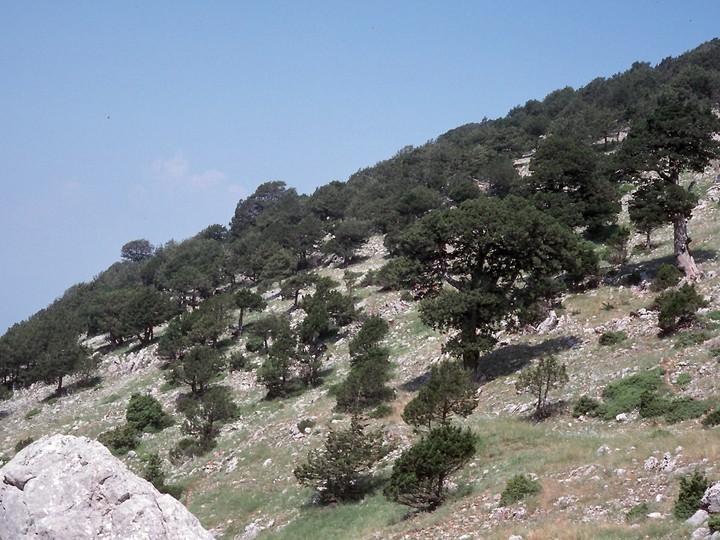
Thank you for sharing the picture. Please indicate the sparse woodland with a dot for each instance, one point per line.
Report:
(512, 329)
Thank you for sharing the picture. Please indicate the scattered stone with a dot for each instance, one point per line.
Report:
(604, 449)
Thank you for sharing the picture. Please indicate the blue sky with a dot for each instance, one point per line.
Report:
(122, 120)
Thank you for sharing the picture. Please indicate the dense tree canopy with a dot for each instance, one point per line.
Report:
(485, 262)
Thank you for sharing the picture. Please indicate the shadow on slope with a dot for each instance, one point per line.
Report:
(512, 358)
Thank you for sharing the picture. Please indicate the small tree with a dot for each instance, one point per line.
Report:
(276, 372)
(202, 415)
(372, 332)
(198, 368)
(419, 476)
(539, 379)
(449, 390)
(336, 471)
(692, 489)
(366, 384)
(246, 300)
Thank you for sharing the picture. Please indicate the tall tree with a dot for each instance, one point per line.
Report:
(677, 137)
(565, 183)
(484, 263)
(137, 250)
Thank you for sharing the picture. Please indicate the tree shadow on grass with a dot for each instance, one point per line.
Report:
(651, 266)
(511, 358)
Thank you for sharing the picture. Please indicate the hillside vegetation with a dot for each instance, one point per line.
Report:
(511, 330)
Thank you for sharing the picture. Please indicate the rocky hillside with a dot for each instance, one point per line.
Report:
(601, 477)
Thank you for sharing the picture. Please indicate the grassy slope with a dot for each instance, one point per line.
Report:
(247, 482)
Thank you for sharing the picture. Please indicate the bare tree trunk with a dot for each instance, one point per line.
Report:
(683, 258)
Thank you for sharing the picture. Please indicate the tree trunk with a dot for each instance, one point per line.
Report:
(683, 258)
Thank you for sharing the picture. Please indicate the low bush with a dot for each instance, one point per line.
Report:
(666, 276)
(120, 440)
(190, 448)
(690, 338)
(692, 488)
(518, 488)
(637, 513)
(678, 309)
(625, 395)
(612, 337)
(145, 413)
(712, 419)
(714, 524)
(587, 406)
(22, 443)
(685, 408)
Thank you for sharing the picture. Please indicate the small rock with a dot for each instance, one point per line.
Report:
(515, 537)
(700, 534)
(604, 449)
(655, 515)
(622, 417)
(267, 462)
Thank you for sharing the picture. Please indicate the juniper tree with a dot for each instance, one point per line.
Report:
(419, 476)
(336, 471)
(450, 390)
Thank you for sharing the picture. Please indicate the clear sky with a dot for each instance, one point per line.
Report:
(122, 120)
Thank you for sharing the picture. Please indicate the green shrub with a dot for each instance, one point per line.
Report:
(625, 395)
(305, 423)
(612, 337)
(518, 488)
(715, 353)
(713, 315)
(688, 339)
(32, 413)
(683, 379)
(652, 405)
(714, 524)
(666, 276)
(22, 443)
(712, 419)
(190, 448)
(685, 408)
(637, 513)
(692, 488)
(120, 440)
(254, 343)
(145, 413)
(678, 309)
(588, 406)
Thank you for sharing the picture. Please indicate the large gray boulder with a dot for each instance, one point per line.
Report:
(65, 487)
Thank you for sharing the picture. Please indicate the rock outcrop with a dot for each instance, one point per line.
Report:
(65, 487)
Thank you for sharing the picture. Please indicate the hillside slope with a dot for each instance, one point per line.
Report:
(592, 471)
